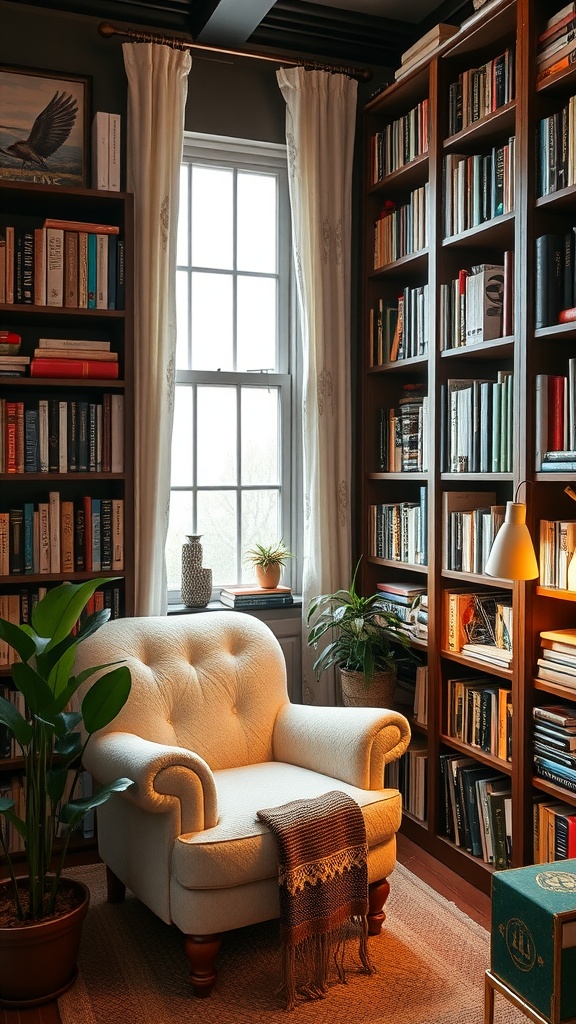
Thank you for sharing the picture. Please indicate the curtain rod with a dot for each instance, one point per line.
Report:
(107, 30)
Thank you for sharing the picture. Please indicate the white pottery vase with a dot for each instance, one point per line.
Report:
(196, 581)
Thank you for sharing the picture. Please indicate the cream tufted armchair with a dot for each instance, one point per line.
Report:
(209, 736)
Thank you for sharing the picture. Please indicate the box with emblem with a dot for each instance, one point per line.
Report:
(533, 948)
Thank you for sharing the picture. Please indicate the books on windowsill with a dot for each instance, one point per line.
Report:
(256, 597)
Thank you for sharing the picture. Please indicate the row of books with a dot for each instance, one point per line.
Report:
(557, 549)
(105, 151)
(75, 264)
(478, 187)
(554, 278)
(476, 424)
(554, 830)
(403, 435)
(555, 409)
(403, 230)
(556, 149)
(476, 808)
(249, 596)
(399, 142)
(480, 714)
(470, 520)
(397, 531)
(554, 728)
(478, 305)
(480, 91)
(55, 436)
(557, 43)
(61, 536)
(399, 330)
(478, 623)
(18, 606)
(409, 775)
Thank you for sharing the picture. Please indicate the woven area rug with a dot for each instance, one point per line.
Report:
(430, 962)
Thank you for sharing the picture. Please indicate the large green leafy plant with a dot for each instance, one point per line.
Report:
(365, 636)
(50, 738)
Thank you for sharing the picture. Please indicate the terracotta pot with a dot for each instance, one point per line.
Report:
(38, 961)
(268, 578)
(379, 693)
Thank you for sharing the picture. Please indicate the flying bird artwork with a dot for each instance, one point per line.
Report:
(50, 130)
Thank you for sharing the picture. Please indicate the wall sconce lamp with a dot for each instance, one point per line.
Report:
(512, 554)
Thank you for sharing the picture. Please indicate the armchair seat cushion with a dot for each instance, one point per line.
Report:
(240, 849)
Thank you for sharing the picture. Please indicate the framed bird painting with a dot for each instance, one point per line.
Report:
(44, 125)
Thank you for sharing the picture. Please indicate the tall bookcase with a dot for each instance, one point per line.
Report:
(25, 207)
(523, 350)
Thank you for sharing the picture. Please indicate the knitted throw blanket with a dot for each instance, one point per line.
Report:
(323, 889)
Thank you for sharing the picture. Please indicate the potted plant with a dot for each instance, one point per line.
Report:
(368, 642)
(41, 913)
(268, 562)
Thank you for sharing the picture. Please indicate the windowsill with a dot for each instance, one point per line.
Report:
(292, 610)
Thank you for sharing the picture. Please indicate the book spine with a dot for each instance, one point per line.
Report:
(55, 267)
(100, 149)
(40, 266)
(101, 271)
(71, 269)
(114, 152)
(73, 368)
(54, 526)
(92, 262)
(117, 534)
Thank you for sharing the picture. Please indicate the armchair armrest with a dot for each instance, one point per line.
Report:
(350, 744)
(160, 774)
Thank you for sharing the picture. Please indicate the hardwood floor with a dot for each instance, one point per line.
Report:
(473, 903)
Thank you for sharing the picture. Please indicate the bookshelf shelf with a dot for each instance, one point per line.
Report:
(503, 347)
(20, 312)
(406, 177)
(414, 262)
(479, 755)
(499, 121)
(498, 232)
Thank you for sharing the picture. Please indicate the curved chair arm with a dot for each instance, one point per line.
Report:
(350, 744)
(160, 773)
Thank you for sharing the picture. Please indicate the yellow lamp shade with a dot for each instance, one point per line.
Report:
(512, 554)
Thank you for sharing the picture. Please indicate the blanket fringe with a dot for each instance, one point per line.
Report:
(312, 957)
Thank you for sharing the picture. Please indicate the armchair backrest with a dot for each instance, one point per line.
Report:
(212, 682)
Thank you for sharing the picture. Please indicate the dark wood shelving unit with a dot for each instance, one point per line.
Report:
(527, 352)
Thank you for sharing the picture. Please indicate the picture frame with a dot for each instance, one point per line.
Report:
(44, 126)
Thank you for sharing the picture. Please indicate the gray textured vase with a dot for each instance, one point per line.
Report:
(196, 581)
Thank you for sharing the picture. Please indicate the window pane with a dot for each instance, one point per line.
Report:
(212, 217)
(260, 523)
(179, 525)
(260, 422)
(217, 516)
(257, 222)
(182, 356)
(256, 328)
(216, 436)
(212, 324)
(183, 223)
(182, 453)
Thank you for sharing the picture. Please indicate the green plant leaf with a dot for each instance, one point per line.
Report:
(37, 693)
(17, 637)
(61, 671)
(106, 698)
(57, 613)
(17, 724)
(7, 809)
(75, 810)
(69, 746)
(56, 783)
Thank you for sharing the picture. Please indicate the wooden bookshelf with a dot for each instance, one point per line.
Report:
(527, 352)
(25, 206)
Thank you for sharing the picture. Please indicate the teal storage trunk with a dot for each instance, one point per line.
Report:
(533, 949)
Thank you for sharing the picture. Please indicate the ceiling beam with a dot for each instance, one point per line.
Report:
(231, 22)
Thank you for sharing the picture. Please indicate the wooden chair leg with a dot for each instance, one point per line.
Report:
(377, 896)
(115, 889)
(202, 951)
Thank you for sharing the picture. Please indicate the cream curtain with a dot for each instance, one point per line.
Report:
(320, 125)
(157, 88)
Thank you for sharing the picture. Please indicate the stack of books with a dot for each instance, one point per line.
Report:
(13, 366)
(256, 597)
(424, 47)
(557, 661)
(555, 744)
(557, 43)
(408, 601)
(69, 357)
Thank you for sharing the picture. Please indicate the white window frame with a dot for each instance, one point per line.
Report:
(252, 156)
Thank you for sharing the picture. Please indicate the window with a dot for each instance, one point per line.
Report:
(235, 450)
